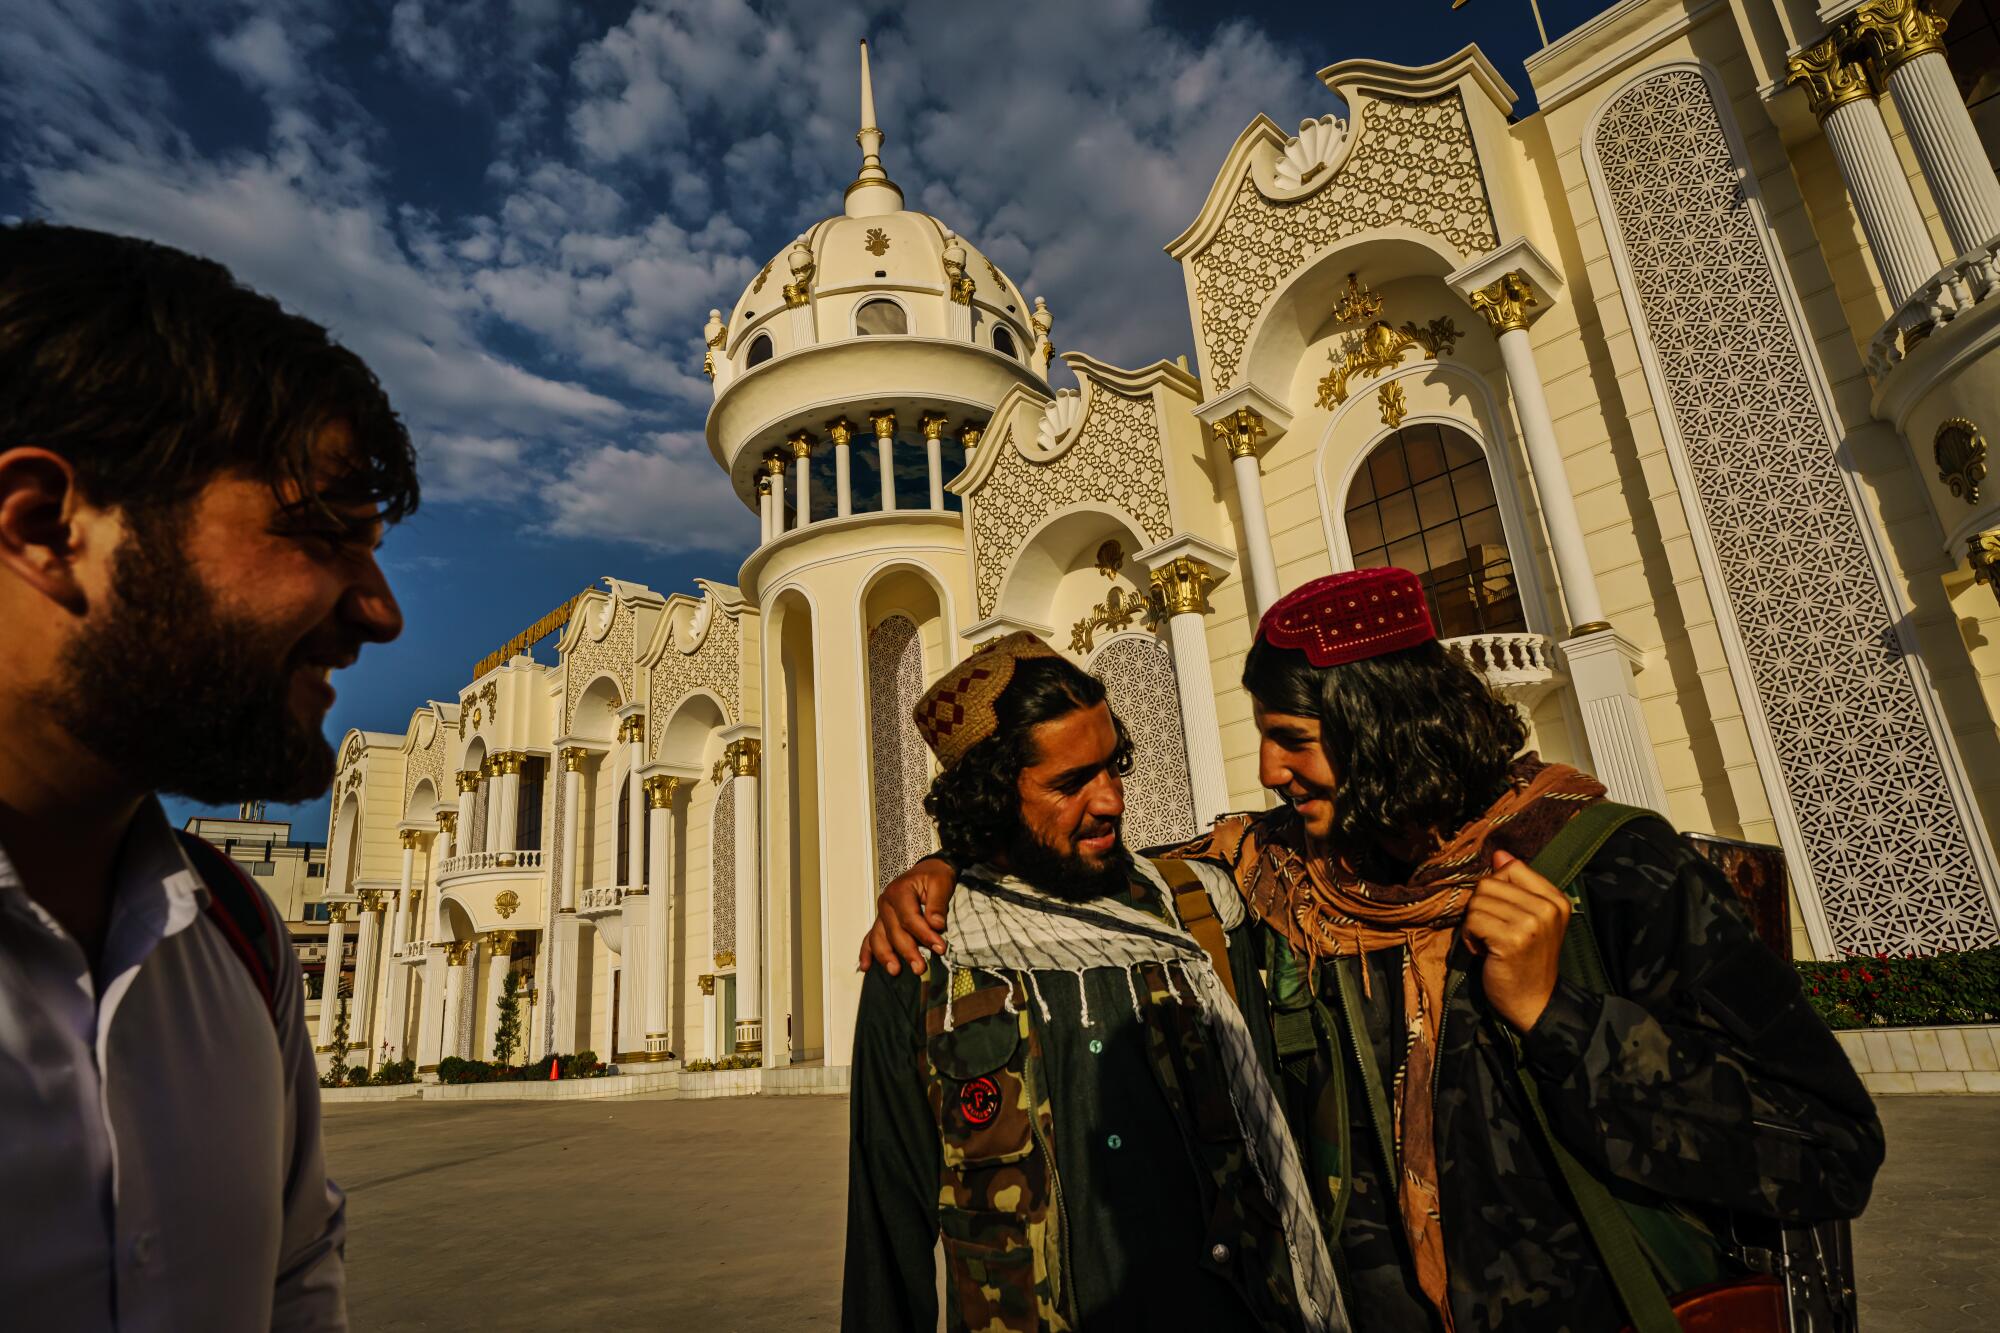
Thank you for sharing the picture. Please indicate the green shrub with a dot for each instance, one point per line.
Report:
(1882, 991)
(726, 1062)
(395, 1072)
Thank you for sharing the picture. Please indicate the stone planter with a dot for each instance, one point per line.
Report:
(1940, 1059)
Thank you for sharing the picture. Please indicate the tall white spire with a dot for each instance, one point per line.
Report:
(872, 193)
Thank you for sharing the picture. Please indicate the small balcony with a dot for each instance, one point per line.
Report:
(498, 890)
(413, 951)
(601, 901)
(1522, 668)
(477, 862)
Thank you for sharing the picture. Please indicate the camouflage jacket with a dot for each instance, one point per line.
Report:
(1705, 1081)
(1079, 1176)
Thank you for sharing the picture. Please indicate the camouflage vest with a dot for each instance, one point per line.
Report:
(999, 1202)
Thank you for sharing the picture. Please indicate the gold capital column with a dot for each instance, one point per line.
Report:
(1181, 583)
(632, 731)
(744, 756)
(933, 426)
(660, 792)
(367, 974)
(1238, 434)
(841, 431)
(468, 792)
(499, 961)
(448, 825)
(774, 468)
(329, 989)
(561, 963)
(968, 436)
(885, 448)
(1842, 98)
(456, 953)
(1983, 550)
(1907, 38)
(764, 507)
(801, 444)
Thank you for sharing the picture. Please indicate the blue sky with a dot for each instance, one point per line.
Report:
(520, 211)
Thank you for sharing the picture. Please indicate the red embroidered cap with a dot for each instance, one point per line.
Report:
(1346, 617)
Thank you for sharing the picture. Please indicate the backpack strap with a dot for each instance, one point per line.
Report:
(239, 910)
(1618, 1242)
(1197, 914)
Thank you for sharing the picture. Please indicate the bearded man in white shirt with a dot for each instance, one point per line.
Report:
(193, 483)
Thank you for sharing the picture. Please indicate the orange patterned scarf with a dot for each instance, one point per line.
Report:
(1324, 910)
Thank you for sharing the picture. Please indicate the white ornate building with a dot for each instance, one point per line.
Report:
(1675, 390)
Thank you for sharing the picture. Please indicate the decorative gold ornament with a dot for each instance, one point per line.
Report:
(448, 821)
(799, 259)
(1183, 585)
(840, 430)
(506, 903)
(458, 952)
(1394, 405)
(743, 756)
(797, 293)
(763, 276)
(707, 983)
(573, 758)
(1961, 458)
(1831, 80)
(727, 958)
(876, 242)
(718, 772)
(774, 466)
(477, 716)
(998, 277)
(884, 423)
(933, 424)
(371, 900)
(957, 282)
(1898, 30)
(336, 914)
(410, 838)
(468, 780)
(968, 436)
(1117, 612)
(1983, 550)
(660, 790)
(1357, 304)
(500, 943)
(1240, 430)
(714, 334)
(1110, 558)
(1505, 301)
(763, 484)
(632, 729)
(802, 443)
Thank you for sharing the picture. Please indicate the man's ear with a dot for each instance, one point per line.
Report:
(41, 538)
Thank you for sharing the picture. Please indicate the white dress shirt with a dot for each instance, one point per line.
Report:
(160, 1159)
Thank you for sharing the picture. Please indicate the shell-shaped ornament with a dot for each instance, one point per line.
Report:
(1307, 156)
(1059, 423)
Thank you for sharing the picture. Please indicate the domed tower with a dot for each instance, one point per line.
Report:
(852, 379)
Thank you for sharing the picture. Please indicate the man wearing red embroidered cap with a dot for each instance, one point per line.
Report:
(1517, 1115)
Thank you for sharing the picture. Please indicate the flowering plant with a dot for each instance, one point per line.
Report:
(1911, 991)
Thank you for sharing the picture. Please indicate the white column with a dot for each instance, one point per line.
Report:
(774, 468)
(396, 1006)
(1601, 665)
(1239, 433)
(428, 1018)
(1841, 97)
(744, 756)
(329, 990)
(801, 443)
(1183, 584)
(660, 792)
(468, 792)
(629, 1041)
(1948, 149)
(934, 456)
(763, 508)
(885, 447)
(573, 760)
(560, 990)
(711, 1041)
(1505, 303)
(455, 955)
(365, 976)
(503, 832)
(634, 731)
(499, 955)
(841, 432)
(397, 934)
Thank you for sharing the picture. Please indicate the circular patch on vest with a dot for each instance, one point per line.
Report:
(979, 1101)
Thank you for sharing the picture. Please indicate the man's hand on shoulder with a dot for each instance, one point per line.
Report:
(910, 916)
(1516, 921)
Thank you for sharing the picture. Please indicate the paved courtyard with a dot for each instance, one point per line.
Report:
(727, 1216)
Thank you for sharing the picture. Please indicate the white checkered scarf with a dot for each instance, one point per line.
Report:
(991, 933)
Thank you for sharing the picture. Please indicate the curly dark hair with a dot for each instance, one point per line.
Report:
(152, 371)
(1418, 741)
(977, 801)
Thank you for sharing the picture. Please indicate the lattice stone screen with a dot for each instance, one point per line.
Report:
(722, 871)
(1138, 675)
(1886, 846)
(900, 761)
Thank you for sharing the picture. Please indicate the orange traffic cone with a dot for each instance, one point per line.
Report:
(555, 1068)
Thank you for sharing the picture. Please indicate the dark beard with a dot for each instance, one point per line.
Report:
(180, 697)
(1067, 875)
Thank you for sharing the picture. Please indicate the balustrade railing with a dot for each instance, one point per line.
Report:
(749, 1034)
(1513, 663)
(1959, 286)
(604, 899)
(474, 862)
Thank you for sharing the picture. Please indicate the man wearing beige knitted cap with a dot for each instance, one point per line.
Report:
(1071, 1100)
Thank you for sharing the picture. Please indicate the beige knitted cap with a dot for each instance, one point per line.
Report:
(959, 711)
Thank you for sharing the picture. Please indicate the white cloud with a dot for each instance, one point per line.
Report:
(260, 53)
(668, 494)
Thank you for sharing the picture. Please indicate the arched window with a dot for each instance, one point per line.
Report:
(880, 316)
(760, 351)
(1003, 341)
(1424, 501)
